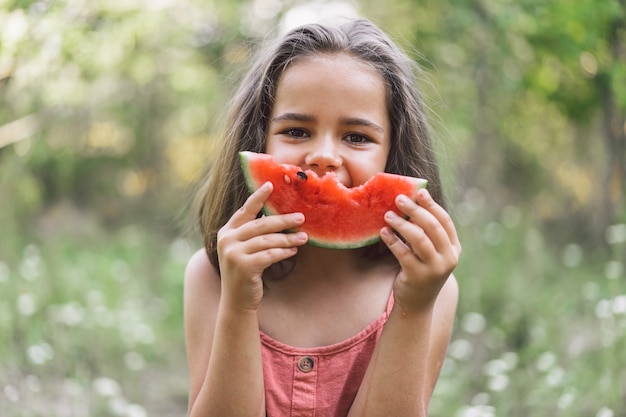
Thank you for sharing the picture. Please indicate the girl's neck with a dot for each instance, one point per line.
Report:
(317, 255)
(321, 264)
(301, 303)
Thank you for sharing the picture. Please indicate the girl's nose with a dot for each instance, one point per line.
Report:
(324, 157)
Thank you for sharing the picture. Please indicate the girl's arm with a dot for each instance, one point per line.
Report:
(223, 350)
(221, 322)
(407, 360)
(408, 357)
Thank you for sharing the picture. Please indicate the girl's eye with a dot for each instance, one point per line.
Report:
(357, 139)
(295, 133)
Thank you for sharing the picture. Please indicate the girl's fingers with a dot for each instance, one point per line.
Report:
(426, 246)
(270, 255)
(405, 255)
(418, 243)
(260, 251)
(248, 225)
(270, 224)
(431, 218)
(426, 201)
(251, 240)
(252, 206)
(428, 233)
(268, 242)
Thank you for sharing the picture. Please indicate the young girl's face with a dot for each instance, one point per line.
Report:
(331, 114)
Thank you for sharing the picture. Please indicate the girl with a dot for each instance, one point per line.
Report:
(279, 328)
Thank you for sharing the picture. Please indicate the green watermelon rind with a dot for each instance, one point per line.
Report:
(253, 185)
(344, 245)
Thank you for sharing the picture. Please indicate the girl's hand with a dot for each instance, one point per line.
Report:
(247, 245)
(429, 253)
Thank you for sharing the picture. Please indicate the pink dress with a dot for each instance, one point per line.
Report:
(320, 381)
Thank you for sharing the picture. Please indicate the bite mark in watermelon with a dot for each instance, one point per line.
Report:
(335, 216)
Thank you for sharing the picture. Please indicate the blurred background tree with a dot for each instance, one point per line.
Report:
(108, 103)
(114, 106)
(110, 110)
(535, 103)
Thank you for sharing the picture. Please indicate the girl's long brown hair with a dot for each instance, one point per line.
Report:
(224, 190)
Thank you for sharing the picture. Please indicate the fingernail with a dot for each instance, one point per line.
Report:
(390, 215)
(402, 199)
(298, 217)
(302, 237)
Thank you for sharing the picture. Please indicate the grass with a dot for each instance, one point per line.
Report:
(541, 331)
(92, 326)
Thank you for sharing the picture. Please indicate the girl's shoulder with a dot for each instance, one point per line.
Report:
(201, 301)
(202, 281)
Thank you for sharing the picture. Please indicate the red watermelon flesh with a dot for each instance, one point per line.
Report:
(335, 216)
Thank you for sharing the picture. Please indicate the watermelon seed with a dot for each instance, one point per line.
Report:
(302, 176)
(287, 179)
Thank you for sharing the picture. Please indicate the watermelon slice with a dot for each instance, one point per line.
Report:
(335, 216)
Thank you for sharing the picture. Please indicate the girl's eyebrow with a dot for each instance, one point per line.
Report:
(295, 117)
(357, 121)
(350, 121)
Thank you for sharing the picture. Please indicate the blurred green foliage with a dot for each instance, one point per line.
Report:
(116, 105)
(93, 327)
(111, 109)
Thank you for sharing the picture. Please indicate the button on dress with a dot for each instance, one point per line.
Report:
(321, 381)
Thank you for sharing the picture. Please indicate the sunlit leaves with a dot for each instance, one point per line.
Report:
(111, 80)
